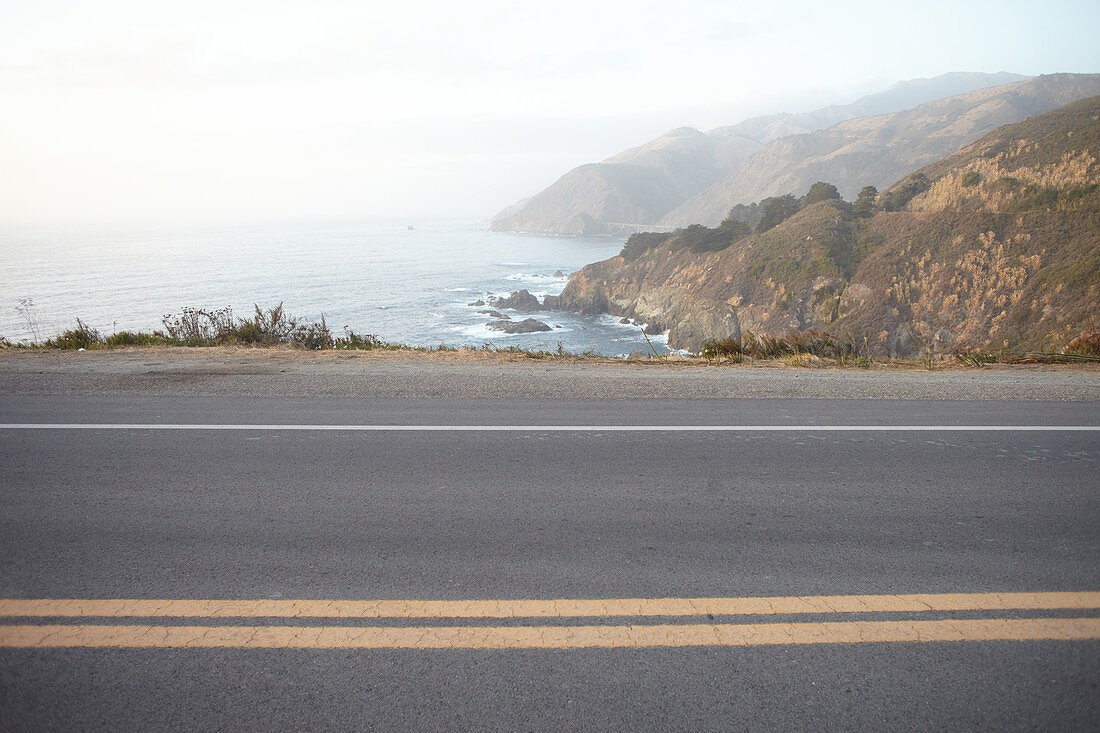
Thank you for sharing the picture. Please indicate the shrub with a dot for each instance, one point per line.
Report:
(81, 337)
(198, 327)
(699, 238)
(766, 346)
(353, 340)
(748, 214)
(820, 191)
(715, 348)
(270, 328)
(1034, 197)
(865, 206)
(972, 178)
(312, 335)
(972, 356)
(776, 210)
(641, 242)
(130, 338)
(1086, 344)
(917, 184)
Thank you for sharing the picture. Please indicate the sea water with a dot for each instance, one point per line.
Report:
(406, 282)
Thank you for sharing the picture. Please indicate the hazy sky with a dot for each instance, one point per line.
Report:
(146, 111)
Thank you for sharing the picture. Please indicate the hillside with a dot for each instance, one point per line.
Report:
(880, 149)
(996, 246)
(637, 186)
(641, 185)
(903, 95)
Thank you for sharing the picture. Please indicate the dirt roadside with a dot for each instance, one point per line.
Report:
(284, 372)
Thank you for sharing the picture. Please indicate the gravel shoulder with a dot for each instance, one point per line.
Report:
(234, 371)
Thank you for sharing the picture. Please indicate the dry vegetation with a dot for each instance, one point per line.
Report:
(995, 250)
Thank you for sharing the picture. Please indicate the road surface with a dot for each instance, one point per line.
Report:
(919, 569)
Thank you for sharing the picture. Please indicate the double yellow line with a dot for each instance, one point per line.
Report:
(684, 633)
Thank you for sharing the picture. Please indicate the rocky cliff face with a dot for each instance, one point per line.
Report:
(998, 246)
(635, 189)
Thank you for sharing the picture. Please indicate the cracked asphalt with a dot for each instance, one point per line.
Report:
(249, 515)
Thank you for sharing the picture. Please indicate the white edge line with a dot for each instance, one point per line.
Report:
(558, 428)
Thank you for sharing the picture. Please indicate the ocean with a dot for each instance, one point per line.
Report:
(412, 286)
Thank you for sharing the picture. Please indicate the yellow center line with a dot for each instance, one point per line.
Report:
(563, 608)
(547, 637)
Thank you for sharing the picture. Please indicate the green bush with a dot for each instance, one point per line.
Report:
(1087, 344)
(641, 242)
(699, 238)
(917, 184)
(131, 338)
(865, 206)
(972, 178)
(81, 337)
(312, 336)
(766, 346)
(775, 211)
(363, 342)
(820, 191)
(198, 327)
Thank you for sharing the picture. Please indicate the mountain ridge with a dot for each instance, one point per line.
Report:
(878, 150)
(603, 198)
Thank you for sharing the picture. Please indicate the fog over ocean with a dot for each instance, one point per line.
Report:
(408, 286)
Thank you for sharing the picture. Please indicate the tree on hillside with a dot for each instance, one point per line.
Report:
(914, 186)
(734, 229)
(864, 205)
(820, 191)
(641, 242)
(750, 214)
(776, 210)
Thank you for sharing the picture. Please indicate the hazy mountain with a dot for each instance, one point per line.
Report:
(878, 150)
(637, 186)
(643, 184)
(996, 246)
(903, 95)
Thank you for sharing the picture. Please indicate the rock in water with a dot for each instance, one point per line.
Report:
(521, 300)
(527, 325)
(550, 302)
(496, 314)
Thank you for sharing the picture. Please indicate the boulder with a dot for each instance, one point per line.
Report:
(521, 300)
(527, 325)
(477, 303)
(496, 314)
(550, 302)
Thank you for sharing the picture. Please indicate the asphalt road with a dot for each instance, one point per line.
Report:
(540, 514)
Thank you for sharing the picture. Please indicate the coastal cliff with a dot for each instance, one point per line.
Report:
(997, 246)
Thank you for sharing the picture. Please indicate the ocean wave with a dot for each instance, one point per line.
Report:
(481, 331)
(535, 277)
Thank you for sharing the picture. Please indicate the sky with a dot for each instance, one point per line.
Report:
(121, 111)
